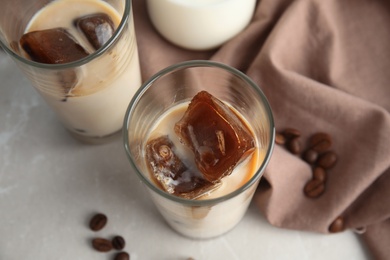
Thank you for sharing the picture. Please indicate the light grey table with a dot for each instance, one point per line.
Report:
(50, 185)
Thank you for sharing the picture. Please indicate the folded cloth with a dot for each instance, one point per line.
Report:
(324, 67)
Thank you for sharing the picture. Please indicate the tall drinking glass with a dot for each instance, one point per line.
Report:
(89, 95)
(222, 207)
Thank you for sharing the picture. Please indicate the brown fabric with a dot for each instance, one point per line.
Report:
(324, 66)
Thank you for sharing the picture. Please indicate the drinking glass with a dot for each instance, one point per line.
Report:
(89, 95)
(208, 216)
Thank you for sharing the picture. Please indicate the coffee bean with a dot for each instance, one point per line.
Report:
(327, 160)
(293, 145)
(310, 156)
(102, 244)
(337, 225)
(291, 133)
(98, 221)
(320, 142)
(118, 242)
(314, 188)
(122, 256)
(280, 139)
(319, 173)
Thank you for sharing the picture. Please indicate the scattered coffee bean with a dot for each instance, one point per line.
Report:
(122, 256)
(118, 242)
(314, 188)
(319, 173)
(291, 133)
(337, 225)
(320, 142)
(293, 145)
(280, 139)
(317, 154)
(310, 156)
(327, 160)
(98, 221)
(102, 244)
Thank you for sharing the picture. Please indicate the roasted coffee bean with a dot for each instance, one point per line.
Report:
(314, 188)
(310, 156)
(122, 256)
(291, 133)
(319, 173)
(320, 142)
(280, 139)
(98, 222)
(327, 160)
(102, 244)
(293, 145)
(337, 225)
(118, 242)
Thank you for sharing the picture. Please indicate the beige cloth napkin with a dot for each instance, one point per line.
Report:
(324, 66)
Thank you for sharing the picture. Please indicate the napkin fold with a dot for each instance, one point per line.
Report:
(324, 67)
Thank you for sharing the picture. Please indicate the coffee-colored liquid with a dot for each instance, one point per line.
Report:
(101, 89)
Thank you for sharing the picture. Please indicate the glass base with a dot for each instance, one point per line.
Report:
(96, 140)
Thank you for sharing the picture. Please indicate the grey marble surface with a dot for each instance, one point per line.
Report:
(50, 185)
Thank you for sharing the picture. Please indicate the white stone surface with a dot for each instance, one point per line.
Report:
(50, 185)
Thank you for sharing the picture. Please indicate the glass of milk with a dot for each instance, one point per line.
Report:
(89, 94)
(200, 24)
(153, 112)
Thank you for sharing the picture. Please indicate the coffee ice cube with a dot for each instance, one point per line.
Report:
(97, 28)
(216, 135)
(171, 173)
(52, 46)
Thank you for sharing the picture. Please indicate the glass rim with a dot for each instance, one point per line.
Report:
(121, 27)
(183, 65)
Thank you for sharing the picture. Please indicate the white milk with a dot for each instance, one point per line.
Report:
(206, 221)
(200, 24)
(95, 107)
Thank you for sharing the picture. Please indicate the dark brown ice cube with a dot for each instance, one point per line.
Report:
(216, 135)
(52, 46)
(97, 28)
(171, 173)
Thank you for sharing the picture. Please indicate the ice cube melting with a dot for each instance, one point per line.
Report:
(97, 28)
(68, 80)
(52, 46)
(216, 135)
(172, 174)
